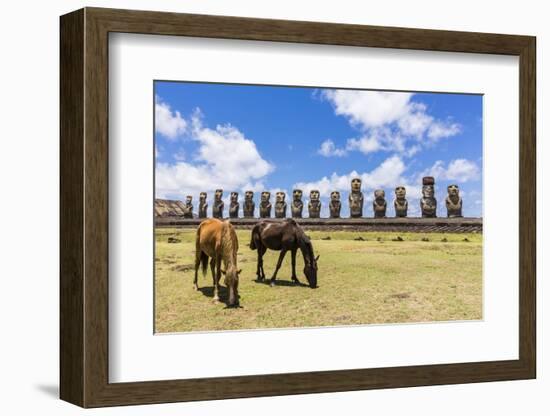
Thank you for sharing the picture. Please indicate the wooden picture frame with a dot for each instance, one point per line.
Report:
(84, 207)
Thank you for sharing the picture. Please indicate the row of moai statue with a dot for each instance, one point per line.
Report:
(428, 203)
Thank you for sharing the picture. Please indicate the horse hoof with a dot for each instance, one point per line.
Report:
(195, 287)
(216, 300)
(272, 284)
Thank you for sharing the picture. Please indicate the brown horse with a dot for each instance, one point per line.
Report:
(284, 236)
(217, 240)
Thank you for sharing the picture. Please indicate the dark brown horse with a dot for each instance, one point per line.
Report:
(284, 236)
(217, 240)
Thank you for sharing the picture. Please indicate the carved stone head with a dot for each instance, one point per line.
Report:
(234, 196)
(265, 196)
(314, 195)
(335, 196)
(280, 196)
(379, 194)
(202, 197)
(453, 190)
(427, 191)
(188, 199)
(248, 195)
(297, 194)
(356, 185)
(218, 194)
(400, 192)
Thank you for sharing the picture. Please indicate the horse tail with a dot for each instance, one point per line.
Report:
(201, 256)
(204, 263)
(252, 242)
(291, 221)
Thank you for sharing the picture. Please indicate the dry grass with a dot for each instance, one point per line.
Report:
(360, 282)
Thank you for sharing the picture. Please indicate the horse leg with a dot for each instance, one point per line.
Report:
(214, 280)
(279, 262)
(264, 249)
(260, 271)
(218, 277)
(294, 277)
(197, 265)
(259, 263)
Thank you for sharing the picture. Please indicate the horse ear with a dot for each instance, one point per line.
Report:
(239, 271)
(223, 272)
(317, 258)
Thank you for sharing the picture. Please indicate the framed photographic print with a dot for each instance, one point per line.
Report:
(255, 207)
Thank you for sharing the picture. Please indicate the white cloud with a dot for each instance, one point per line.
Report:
(167, 122)
(388, 121)
(441, 130)
(225, 159)
(365, 144)
(387, 175)
(328, 149)
(369, 108)
(459, 170)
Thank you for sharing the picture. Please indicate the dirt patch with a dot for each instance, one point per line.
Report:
(173, 240)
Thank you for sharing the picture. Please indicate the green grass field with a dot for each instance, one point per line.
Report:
(360, 282)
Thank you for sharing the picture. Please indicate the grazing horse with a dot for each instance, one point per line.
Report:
(284, 236)
(217, 240)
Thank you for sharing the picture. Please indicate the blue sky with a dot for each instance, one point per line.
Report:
(241, 137)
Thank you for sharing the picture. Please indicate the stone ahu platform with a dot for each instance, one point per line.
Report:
(419, 225)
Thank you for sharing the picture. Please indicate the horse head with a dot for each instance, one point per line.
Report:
(232, 283)
(310, 263)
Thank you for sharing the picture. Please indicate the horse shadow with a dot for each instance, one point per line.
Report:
(223, 294)
(287, 283)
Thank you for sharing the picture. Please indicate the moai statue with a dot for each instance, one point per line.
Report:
(400, 202)
(280, 205)
(356, 199)
(453, 202)
(203, 205)
(314, 205)
(335, 205)
(428, 203)
(217, 208)
(188, 208)
(265, 205)
(234, 205)
(297, 205)
(249, 205)
(379, 204)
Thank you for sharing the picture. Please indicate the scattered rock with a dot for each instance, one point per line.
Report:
(444, 240)
(400, 295)
(398, 238)
(359, 238)
(174, 240)
(425, 239)
(379, 239)
(326, 238)
(183, 268)
(466, 240)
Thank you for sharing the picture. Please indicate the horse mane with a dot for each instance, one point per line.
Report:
(229, 242)
(305, 245)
